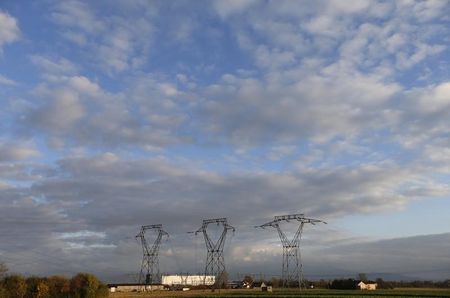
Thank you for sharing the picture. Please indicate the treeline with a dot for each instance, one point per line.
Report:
(351, 284)
(421, 284)
(82, 285)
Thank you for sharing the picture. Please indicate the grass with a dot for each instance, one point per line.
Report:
(280, 293)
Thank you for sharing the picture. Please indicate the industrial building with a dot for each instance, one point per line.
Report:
(188, 280)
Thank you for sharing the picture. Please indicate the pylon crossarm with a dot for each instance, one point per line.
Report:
(149, 227)
(311, 220)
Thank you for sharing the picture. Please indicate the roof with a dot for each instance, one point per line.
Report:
(367, 282)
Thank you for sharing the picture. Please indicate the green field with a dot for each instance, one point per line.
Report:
(292, 293)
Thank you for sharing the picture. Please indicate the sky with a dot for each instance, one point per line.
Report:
(116, 114)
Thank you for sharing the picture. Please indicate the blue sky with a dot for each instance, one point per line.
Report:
(117, 114)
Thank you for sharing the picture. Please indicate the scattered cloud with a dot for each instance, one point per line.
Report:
(69, 109)
(8, 82)
(55, 67)
(117, 44)
(9, 29)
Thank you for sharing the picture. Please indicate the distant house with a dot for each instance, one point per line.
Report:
(367, 285)
(266, 288)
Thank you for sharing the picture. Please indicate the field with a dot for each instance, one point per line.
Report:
(292, 293)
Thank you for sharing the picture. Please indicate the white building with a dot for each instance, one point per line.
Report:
(188, 280)
(367, 286)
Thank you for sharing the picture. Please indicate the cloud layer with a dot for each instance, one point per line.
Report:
(115, 116)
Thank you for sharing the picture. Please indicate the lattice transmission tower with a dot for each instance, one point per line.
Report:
(149, 273)
(292, 269)
(215, 263)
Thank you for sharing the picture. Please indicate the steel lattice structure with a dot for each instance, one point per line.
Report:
(215, 263)
(292, 270)
(149, 273)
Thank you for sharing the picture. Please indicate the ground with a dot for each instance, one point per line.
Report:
(292, 293)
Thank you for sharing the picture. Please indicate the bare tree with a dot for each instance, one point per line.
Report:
(362, 277)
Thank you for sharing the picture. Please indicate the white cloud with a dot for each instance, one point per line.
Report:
(227, 8)
(54, 66)
(248, 111)
(435, 99)
(339, 7)
(9, 30)
(82, 235)
(5, 81)
(430, 10)
(84, 86)
(74, 108)
(279, 152)
(61, 112)
(116, 44)
(11, 151)
(77, 14)
(422, 51)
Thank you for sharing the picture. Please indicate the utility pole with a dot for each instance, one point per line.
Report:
(215, 263)
(292, 269)
(149, 273)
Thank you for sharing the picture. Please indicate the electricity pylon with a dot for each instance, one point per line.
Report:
(149, 273)
(215, 263)
(292, 272)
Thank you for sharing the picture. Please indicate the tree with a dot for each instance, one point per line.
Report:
(85, 285)
(321, 284)
(343, 284)
(59, 286)
(15, 286)
(37, 287)
(3, 292)
(222, 281)
(381, 284)
(276, 282)
(102, 291)
(3, 270)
